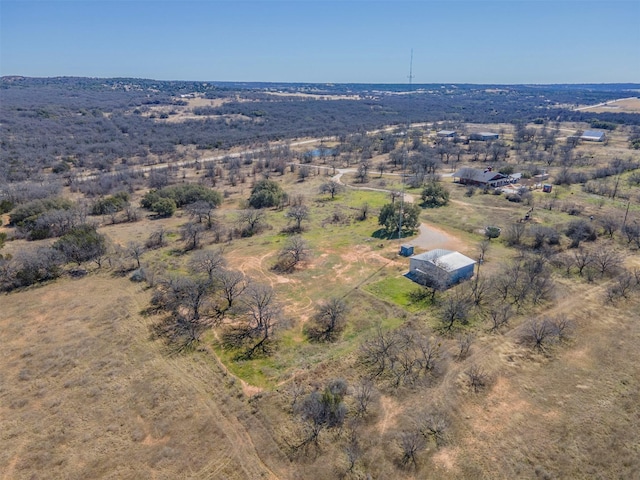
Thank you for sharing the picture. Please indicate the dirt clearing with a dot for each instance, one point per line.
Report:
(431, 237)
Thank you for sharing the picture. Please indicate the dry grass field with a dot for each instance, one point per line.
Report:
(85, 393)
(573, 415)
(625, 105)
(88, 391)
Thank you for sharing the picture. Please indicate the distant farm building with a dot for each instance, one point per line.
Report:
(483, 178)
(484, 136)
(446, 133)
(593, 136)
(441, 268)
(321, 152)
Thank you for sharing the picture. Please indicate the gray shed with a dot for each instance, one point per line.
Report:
(441, 267)
(406, 250)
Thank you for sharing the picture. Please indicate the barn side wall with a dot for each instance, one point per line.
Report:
(461, 274)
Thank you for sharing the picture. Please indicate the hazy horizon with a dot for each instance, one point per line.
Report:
(414, 85)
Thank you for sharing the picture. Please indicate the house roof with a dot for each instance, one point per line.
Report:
(447, 260)
(446, 132)
(593, 134)
(478, 175)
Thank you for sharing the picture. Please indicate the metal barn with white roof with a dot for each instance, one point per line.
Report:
(441, 267)
(484, 136)
(446, 133)
(593, 136)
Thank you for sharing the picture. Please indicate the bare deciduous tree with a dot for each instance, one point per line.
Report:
(632, 232)
(479, 287)
(203, 212)
(303, 172)
(624, 284)
(320, 410)
(189, 301)
(207, 261)
(538, 332)
(378, 353)
(514, 234)
(352, 450)
(364, 212)
(331, 187)
(298, 213)
(297, 390)
(251, 222)
(329, 320)
(294, 251)
(231, 284)
(483, 248)
(403, 356)
(606, 260)
(562, 327)
(455, 308)
(499, 315)
(157, 239)
(262, 313)
(394, 194)
(362, 175)
(131, 212)
(411, 443)
(579, 231)
(433, 426)
(610, 224)
(582, 258)
(477, 378)
(191, 233)
(364, 394)
(465, 340)
(135, 250)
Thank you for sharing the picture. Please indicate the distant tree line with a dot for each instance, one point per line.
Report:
(97, 124)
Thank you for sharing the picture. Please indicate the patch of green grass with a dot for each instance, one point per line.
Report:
(396, 290)
(257, 371)
(356, 198)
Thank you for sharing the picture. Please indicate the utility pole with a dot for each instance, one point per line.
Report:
(624, 222)
(405, 153)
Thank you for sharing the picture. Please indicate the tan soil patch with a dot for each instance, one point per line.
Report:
(446, 458)
(502, 403)
(390, 408)
(431, 237)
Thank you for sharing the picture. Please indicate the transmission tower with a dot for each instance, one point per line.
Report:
(411, 70)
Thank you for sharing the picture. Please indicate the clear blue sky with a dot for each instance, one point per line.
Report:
(478, 41)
